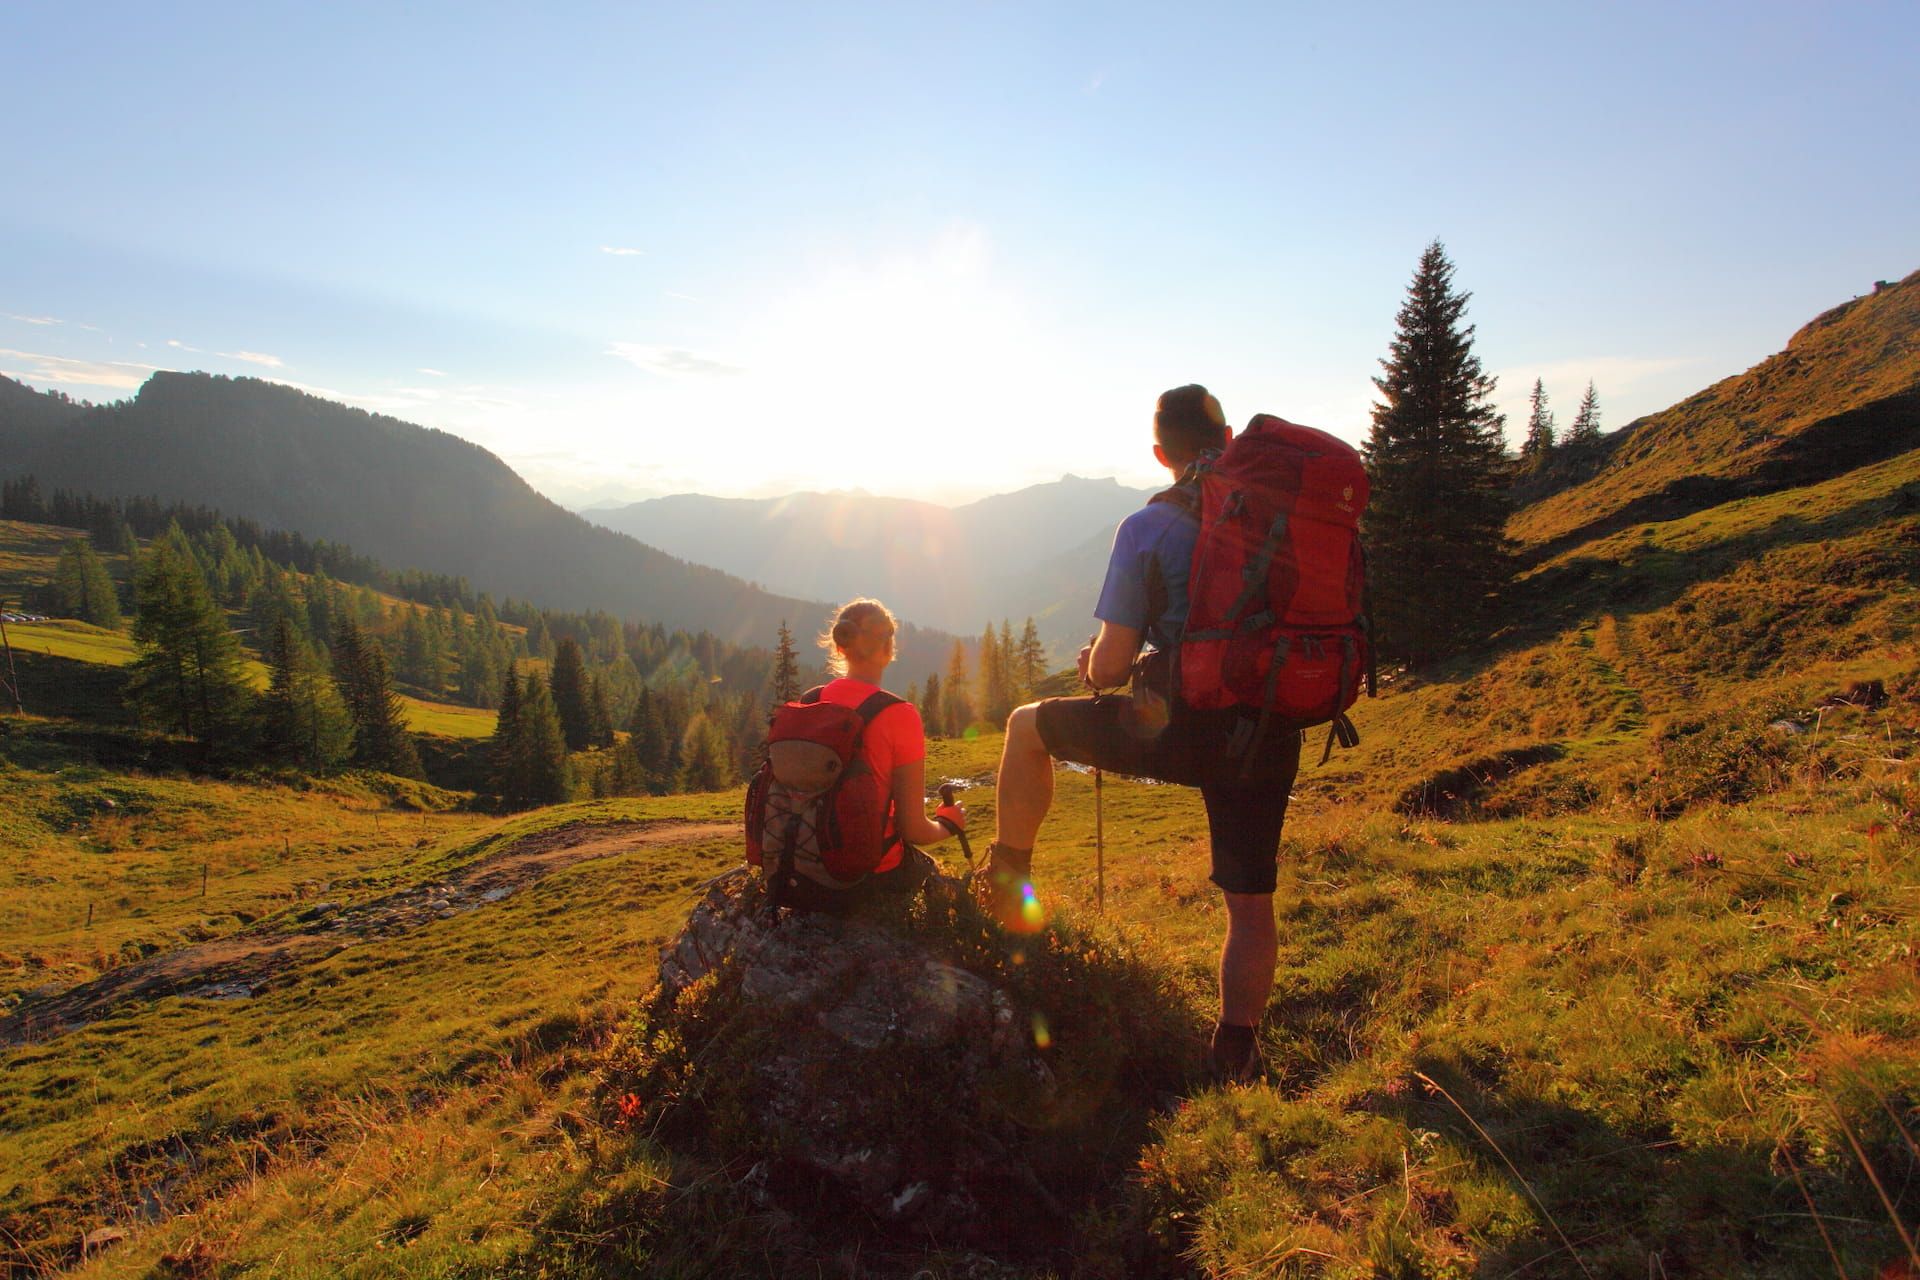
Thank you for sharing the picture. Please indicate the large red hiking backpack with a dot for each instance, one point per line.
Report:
(816, 813)
(1277, 612)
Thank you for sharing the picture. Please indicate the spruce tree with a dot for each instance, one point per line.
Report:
(1585, 432)
(302, 720)
(1538, 445)
(647, 738)
(1436, 461)
(599, 713)
(539, 772)
(365, 681)
(786, 668)
(567, 681)
(188, 676)
(932, 717)
(83, 586)
(503, 747)
(706, 766)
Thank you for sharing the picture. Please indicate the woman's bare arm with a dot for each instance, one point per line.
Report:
(910, 805)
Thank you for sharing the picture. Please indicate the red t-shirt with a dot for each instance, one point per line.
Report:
(894, 738)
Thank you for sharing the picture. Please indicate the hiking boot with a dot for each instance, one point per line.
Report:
(1233, 1056)
(1004, 890)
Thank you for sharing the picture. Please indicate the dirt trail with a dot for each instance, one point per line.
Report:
(233, 968)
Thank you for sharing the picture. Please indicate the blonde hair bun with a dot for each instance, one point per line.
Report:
(861, 631)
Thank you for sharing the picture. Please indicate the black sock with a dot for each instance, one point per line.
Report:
(1232, 1043)
(1007, 861)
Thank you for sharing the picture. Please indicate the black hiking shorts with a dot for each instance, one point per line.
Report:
(1244, 814)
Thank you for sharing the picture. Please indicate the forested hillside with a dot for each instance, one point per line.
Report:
(404, 494)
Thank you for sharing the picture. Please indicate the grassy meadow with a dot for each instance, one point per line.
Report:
(1597, 959)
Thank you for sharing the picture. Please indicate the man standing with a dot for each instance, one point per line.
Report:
(1142, 611)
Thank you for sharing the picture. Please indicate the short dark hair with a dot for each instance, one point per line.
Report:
(1187, 421)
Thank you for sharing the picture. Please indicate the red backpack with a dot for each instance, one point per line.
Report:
(815, 811)
(1277, 613)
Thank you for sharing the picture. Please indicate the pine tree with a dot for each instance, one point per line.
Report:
(365, 681)
(932, 709)
(83, 586)
(956, 710)
(1538, 445)
(567, 680)
(1436, 460)
(786, 668)
(538, 773)
(1585, 432)
(188, 677)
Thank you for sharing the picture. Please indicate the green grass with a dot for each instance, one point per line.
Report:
(1646, 1006)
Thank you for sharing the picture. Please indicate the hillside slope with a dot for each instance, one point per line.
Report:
(406, 495)
(1844, 392)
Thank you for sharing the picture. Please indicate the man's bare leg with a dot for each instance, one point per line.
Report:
(1246, 982)
(1025, 785)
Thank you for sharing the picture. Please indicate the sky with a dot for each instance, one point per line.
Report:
(934, 251)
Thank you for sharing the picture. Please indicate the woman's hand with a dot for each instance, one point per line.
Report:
(955, 813)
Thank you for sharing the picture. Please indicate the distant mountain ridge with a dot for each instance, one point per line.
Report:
(410, 496)
(1039, 551)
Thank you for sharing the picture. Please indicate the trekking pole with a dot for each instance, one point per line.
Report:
(1099, 812)
(966, 850)
(1099, 847)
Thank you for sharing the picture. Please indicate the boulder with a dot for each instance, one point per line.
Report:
(854, 1062)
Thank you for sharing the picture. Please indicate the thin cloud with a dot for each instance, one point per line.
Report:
(431, 373)
(253, 357)
(42, 320)
(673, 362)
(622, 252)
(178, 345)
(122, 375)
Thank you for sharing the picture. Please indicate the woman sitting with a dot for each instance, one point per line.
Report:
(835, 811)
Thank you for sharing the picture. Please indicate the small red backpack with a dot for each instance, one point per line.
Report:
(816, 813)
(1277, 612)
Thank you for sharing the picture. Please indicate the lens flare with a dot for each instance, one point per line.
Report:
(1031, 911)
(1042, 1038)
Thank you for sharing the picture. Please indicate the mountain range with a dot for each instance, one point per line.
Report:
(1038, 552)
(410, 496)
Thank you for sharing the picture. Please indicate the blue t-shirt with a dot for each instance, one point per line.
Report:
(1146, 586)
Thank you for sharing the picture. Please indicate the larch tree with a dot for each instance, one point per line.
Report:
(956, 709)
(1434, 527)
(932, 710)
(84, 587)
(188, 677)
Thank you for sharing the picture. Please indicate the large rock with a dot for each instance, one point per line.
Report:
(852, 1058)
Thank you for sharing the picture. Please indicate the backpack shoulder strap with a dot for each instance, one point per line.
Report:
(812, 695)
(876, 703)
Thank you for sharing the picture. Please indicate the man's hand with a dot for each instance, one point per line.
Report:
(954, 815)
(1108, 661)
